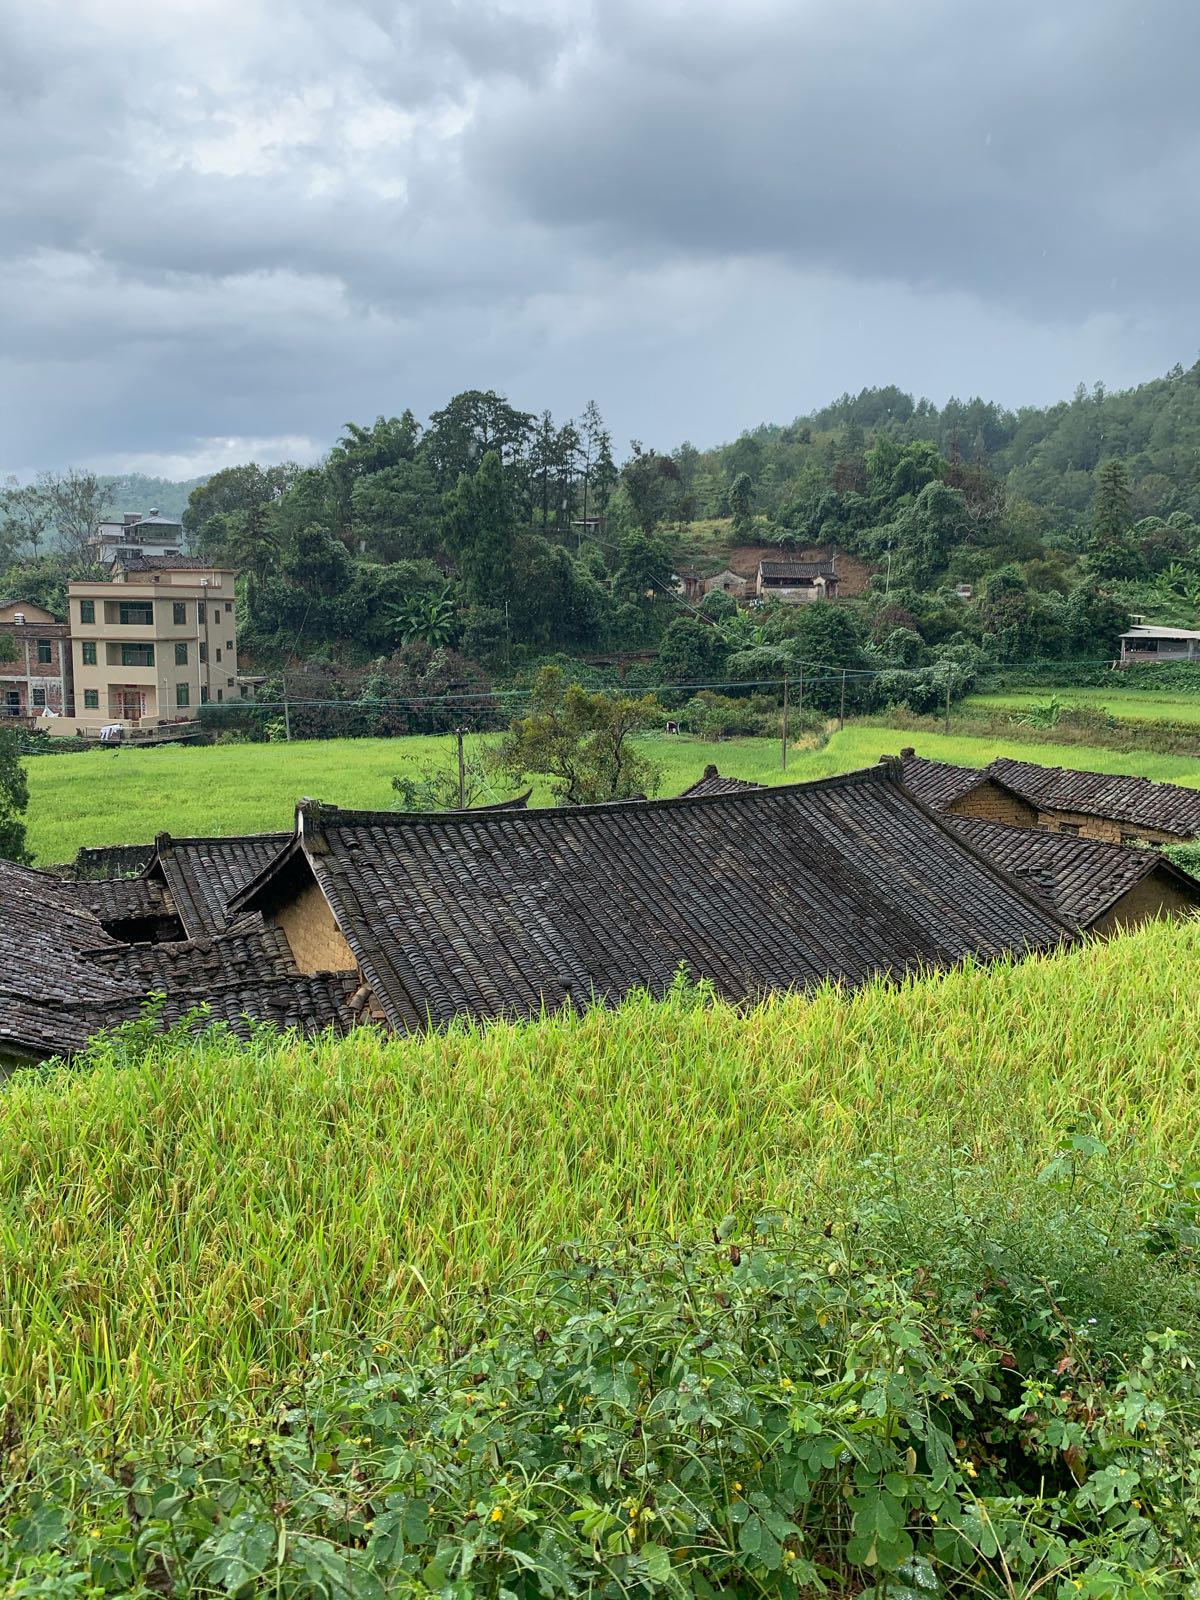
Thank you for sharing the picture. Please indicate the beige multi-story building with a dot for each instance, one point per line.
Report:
(152, 645)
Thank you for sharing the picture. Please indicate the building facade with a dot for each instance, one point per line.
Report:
(797, 582)
(133, 534)
(36, 679)
(151, 646)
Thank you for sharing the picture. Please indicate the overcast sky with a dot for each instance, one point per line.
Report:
(229, 226)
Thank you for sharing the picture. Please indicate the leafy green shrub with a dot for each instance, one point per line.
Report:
(717, 716)
(775, 1414)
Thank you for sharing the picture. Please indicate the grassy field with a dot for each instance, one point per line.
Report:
(199, 1217)
(1132, 704)
(127, 796)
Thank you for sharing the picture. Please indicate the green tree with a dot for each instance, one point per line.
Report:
(597, 470)
(396, 512)
(469, 427)
(236, 489)
(315, 561)
(741, 505)
(1112, 518)
(479, 532)
(582, 742)
(692, 652)
(14, 800)
(25, 515)
(644, 568)
(652, 484)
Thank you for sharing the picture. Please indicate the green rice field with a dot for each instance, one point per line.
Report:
(127, 796)
(1135, 705)
(193, 1216)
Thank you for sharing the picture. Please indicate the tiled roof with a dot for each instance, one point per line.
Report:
(111, 860)
(937, 784)
(775, 888)
(1084, 877)
(202, 875)
(134, 561)
(44, 969)
(123, 899)
(713, 783)
(1164, 807)
(63, 978)
(802, 571)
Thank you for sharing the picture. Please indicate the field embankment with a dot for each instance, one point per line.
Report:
(127, 796)
(200, 1216)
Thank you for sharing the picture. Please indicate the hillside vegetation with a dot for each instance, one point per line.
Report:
(420, 567)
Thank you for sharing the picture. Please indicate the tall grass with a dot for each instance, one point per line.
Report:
(197, 1216)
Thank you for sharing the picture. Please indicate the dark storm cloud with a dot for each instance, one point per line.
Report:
(235, 220)
(1030, 152)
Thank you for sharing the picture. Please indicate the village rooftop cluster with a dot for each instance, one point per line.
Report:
(412, 920)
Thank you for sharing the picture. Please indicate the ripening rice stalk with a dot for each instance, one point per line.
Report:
(204, 1217)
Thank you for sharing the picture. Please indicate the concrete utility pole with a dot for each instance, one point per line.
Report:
(462, 770)
(783, 753)
(842, 712)
(287, 720)
(947, 702)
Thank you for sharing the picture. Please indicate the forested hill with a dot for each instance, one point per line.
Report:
(1047, 456)
(134, 491)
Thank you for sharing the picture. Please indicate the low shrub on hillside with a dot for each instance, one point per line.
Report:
(773, 1413)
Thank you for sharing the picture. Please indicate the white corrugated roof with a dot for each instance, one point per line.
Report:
(1150, 632)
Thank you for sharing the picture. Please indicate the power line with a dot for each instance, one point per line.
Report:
(827, 675)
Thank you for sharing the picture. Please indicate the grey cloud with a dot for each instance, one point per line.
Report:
(241, 218)
(1010, 147)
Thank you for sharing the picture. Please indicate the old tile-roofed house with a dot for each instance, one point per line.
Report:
(1102, 805)
(1095, 805)
(798, 580)
(111, 861)
(1099, 887)
(936, 784)
(712, 782)
(134, 560)
(68, 970)
(45, 972)
(500, 914)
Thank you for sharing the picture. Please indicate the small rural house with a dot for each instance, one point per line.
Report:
(1147, 643)
(432, 917)
(120, 538)
(797, 581)
(1099, 888)
(36, 681)
(728, 582)
(1091, 805)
